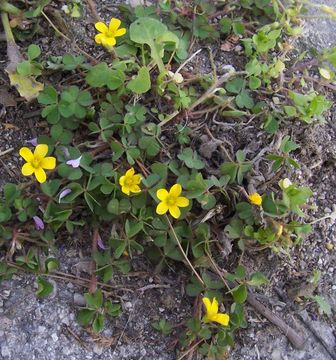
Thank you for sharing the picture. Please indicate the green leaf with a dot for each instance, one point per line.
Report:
(33, 52)
(240, 272)
(85, 316)
(150, 145)
(95, 300)
(154, 33)
(194, 288)
(5, 213)
(190, 158)
(24, 68)
(51, 264)
(290, 110)
(239, 294)
(244, 100)
(44, 287)
(48, 96)
(211, 283)
(120, 249)
(225, 25)
(258, 279)
(98, 323)
(163, 326)
(112, 309)
(141, 83)
(287, 145)
(235, 86)
(324, 306)
(238, 27)
(230, 169)
(10, 192)
(254, 83)
(131, 229)
(101, 75)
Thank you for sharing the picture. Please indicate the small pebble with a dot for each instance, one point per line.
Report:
(79, 299)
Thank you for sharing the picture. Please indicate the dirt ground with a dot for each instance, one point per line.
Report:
(46, 329)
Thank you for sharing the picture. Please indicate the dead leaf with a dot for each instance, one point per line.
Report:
(10, 127)
(27, 86)
(230, 43)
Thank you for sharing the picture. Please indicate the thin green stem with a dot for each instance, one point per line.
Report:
(7, 28)
(9, 8)
(183, 252)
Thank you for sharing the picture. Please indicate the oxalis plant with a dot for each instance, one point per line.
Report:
(106, 168)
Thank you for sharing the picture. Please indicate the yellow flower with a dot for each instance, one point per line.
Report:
(255, 199)
(37, 162)
(108, 34)
(212, 313)
(130, 182)
(171, 201)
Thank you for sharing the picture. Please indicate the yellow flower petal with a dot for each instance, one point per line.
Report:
(41, 150)
(175, 212)
(161, 194)
(162, 208)
(175, 190)
(125, 190)
(48, 163)
(40, 175)
(100, 26)
(213, 309)
(27, 169)
(255, 199)
(207, 304)
(114, 24)
(99, 38)
(182, 201)
(122, 180)
(109, 42)
(120, 32)
(137, 179)
(130, 172)
(135, 189)
(26, 154)
(222, 319)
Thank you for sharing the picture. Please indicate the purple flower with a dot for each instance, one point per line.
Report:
(100, 243)
(63, 193)
(75, 162)
(39, 224)
(32, 141)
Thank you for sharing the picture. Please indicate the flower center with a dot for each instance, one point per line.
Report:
(128, 182)
(36, 163)
(110, 34)
(171, 200)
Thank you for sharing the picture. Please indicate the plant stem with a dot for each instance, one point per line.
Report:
(183, 252)
(9, 8)
(7, 28)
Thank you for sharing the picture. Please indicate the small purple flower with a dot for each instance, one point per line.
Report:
(100, 243)
(64, 193)
(32, 141)
(39, 224)
(75, 162)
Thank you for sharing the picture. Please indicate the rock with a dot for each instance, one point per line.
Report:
(79, 299)
(98, 349)
(5, 351)
(128, 305)
(276, 354)
(41, 329)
